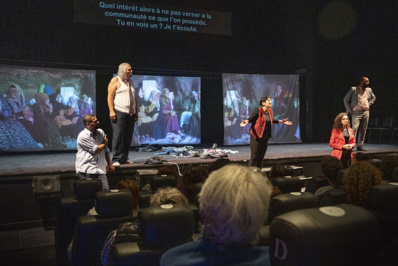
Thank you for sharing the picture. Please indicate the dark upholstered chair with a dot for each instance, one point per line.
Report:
(384, 204)
(113, 207)
(196, 188)
(315, 183)
(287, 202)
(287, 184)
(160, 228)
(155, 182)
(284, 203)
(337, 235)
(332, 197)
(375, 162)
(159, 181)
(70, 208)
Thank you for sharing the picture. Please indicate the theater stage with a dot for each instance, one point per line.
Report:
(24, 166)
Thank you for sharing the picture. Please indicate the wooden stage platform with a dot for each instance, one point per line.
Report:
(24, 166)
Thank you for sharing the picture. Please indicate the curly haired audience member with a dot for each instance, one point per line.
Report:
(234, 204)
(358, 182)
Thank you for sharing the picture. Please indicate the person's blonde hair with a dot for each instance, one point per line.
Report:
(167, 195)
(234, 204)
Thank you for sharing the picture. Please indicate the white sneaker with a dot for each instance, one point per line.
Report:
(116, 164)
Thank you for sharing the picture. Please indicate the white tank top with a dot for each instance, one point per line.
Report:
(122, 98)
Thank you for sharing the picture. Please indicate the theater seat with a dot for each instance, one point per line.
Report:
(158, 181)
(384, 204)
(287, 184)
(160, 228)
(315, 183)
(287, 202)
(70, 208)
(113, 207)
(335, 235)
(332, 197)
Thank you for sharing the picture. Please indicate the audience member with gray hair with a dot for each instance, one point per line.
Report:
(234, 204)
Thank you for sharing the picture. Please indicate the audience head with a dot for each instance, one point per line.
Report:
(234, 204)
(388, 163)
(195, 173)
(168, 170)
(135, 191)
(359, 180)
(330, 166)
(278, 170)
(361, 156)
(219, 163)
(167, 195)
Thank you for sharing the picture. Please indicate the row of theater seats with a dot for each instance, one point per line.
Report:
(86, 193)
(297, 231)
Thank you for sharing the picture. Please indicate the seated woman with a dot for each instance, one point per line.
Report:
(42, 113)
(170, 115)
(16, 100)
(229, 226)
(128, 232)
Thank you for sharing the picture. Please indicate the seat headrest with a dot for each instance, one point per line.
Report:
(384, 198)
(289, 202)
(376, 162)
(332, 197)
(114, 203)
(337, 235)
(158, 181)
(287, 184)
(315, 183)
(86, 188)
(165, 226)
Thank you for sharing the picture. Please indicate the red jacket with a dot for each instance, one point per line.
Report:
(337, 142)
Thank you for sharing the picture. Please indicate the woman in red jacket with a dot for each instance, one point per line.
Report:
(342, 140)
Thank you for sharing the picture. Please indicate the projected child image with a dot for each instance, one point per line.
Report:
(43, 108)
(169, 110)
(242, 93)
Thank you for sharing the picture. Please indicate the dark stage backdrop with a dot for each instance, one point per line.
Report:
(242, 93)
(43, 108)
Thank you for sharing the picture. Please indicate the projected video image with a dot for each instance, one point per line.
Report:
(43, 108)
(242, 94)
(169, 110)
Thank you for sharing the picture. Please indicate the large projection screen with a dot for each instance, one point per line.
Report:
(43, 108)
(242, 94)
(169, 110)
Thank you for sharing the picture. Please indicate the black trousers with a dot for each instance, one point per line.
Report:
(258, 148)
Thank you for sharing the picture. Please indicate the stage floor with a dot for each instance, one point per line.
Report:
(47, 163)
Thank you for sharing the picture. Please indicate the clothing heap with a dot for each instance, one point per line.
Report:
(174, 151)
(216, 153)
(155, 160)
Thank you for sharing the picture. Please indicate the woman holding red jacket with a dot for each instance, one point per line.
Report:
(342, 139)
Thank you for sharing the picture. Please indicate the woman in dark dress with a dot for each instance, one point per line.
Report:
(260, 131)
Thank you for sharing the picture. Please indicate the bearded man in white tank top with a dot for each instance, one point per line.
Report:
(123, 112)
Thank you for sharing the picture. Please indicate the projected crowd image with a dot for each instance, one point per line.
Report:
(43, 108)
(169, 110)
(242, 93)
